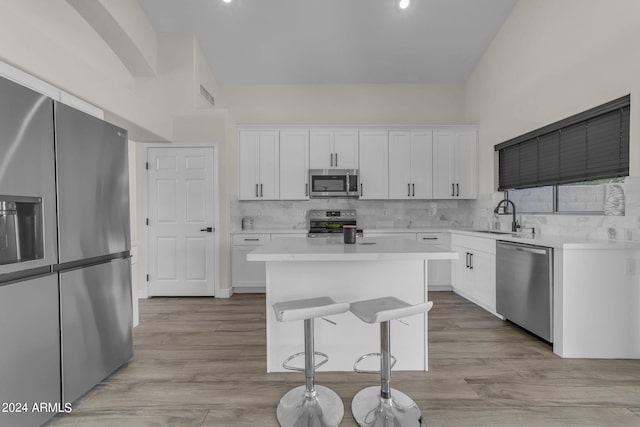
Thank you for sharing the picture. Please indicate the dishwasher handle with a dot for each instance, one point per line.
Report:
(524, 248)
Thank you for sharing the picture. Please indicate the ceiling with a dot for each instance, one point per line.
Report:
(335, 41)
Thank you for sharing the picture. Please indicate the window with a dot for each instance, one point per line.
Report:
(598, 197)
(570, 165)
(589, 146)
(533, 200)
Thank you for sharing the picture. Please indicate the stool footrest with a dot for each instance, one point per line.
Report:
(365, 356)
(286, 365)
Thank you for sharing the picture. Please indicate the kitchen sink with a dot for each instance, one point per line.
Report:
(506, 233)
(493, 232)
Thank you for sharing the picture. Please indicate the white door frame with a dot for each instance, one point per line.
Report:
(141, 164)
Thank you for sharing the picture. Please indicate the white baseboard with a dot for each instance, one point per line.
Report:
(478, 303)
(250, 290)
(439, 288)
(224, 293)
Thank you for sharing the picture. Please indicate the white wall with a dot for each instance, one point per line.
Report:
(550, 60)
(51, 40)
(386, 104)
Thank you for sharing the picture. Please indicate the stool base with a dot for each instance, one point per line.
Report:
(370, 410)
(325, 409)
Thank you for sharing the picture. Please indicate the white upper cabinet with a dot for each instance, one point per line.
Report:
(333, 149)
(423, 162)
(410, 160)
(294, 164)
(455, 163)
(258, 165)
(321, 149)
(374, 165)
(346, 149)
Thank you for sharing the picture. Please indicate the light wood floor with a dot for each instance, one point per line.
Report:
(201, 362)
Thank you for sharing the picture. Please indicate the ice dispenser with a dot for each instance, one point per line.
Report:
(21, 229)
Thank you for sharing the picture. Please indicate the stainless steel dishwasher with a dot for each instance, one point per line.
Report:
(524, 286)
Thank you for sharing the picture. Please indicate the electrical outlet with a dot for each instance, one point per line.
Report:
(630, 267)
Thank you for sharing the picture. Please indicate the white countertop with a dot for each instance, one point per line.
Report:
(551, 241)
(366, 230)
(272, 231)
(548, 240)
(333, 249)
(407, 230)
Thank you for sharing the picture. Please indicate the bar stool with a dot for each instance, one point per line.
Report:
(310, 404)
(384, 406)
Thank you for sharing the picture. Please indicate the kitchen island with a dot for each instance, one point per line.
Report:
(371, 268)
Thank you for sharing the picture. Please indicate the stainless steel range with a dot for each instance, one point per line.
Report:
(323, 223)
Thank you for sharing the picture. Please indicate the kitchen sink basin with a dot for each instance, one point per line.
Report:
(506, 233)
(493, 232)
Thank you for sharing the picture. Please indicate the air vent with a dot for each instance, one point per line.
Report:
(207, 96)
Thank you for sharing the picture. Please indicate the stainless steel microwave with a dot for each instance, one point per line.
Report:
(333, 183)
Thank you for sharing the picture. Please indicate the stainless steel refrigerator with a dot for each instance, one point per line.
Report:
(65, 283)
(29, 309)
(93, 249)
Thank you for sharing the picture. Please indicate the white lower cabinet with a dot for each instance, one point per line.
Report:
(247, 276)
(250, 276)
(474, 272)
(439, 271)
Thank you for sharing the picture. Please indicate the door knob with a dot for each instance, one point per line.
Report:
(208, 229)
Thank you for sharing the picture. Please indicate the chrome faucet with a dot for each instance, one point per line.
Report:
(514, 223)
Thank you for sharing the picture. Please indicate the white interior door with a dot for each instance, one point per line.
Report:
(181, 218)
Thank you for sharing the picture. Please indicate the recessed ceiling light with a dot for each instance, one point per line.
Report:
(403, 4)
(227, 1)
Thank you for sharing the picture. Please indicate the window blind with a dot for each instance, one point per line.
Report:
(587, 146)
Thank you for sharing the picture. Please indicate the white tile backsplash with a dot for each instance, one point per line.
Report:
(446, 214)
(626, 227)
(371, 213)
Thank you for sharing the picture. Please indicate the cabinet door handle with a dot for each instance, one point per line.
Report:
(471, 261)
(457, 190)
(361, 191)
(414, 190)
(257, 194)
(331, 159)
(408, 190)
(429, 238)
(467, 259)
(453, 190)
(306, 190)
(336, 159)
(261, 194)
(246, 239)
